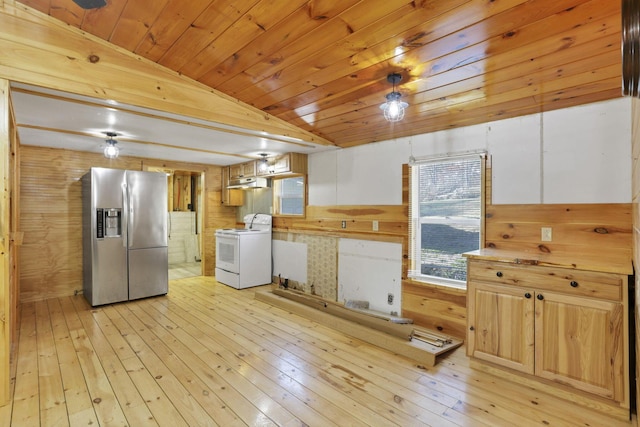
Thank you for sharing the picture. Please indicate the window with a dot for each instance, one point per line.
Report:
(289, 196)
(446, 217)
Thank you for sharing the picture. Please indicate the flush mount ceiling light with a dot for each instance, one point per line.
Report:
(394, 108)
(111, 151)
(90, 4)
(263, 163)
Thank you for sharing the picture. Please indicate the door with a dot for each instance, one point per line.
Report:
(147, 209)
(579, 341)
(502, 329)
(105, 253)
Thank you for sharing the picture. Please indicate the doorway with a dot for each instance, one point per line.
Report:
(184, 222)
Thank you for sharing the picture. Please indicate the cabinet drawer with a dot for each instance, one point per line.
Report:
(574, 282)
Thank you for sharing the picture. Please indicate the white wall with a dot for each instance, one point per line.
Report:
(574, 155)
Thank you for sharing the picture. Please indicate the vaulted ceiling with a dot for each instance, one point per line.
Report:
(322, 64)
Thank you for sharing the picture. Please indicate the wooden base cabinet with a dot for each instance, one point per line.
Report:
(579, 342)
(546, 322)
(502, 329)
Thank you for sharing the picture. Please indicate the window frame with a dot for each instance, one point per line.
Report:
(276, 199)
(414, 271)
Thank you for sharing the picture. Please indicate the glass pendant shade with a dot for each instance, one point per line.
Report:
(111, 151)
(394, 108)
(263, 163)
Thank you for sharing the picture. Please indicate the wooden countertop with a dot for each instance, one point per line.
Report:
(603, 263)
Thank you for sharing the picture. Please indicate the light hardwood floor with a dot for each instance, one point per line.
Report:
(210, 355)
(184, 270)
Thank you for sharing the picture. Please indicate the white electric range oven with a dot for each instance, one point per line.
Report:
(243, 256)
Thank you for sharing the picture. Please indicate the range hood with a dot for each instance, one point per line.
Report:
(250, 182)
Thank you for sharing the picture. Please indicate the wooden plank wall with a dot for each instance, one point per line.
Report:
(51, 263)
(602, 230)
(577, 229)
(16, 233)
(428, 305)
(635, 138)
(6, 302)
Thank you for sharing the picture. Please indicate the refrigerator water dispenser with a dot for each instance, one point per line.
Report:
(113, 222)
(109, 223)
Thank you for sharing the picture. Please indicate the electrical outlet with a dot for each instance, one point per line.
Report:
(546, 234)
(344, 224)
(375, 225)
(390, 299)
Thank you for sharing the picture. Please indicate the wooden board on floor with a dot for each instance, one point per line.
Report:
(392, 337)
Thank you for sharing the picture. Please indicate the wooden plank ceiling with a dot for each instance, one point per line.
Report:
(322, 64)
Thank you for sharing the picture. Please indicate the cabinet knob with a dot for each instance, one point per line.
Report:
(471, 328)
(527, 295)
(574, 284)
(499, 274)
(540, 297)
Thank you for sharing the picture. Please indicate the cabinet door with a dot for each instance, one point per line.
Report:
(282, 164)
(502, 326)
(242, 170)
(249, 168)
(236, 171)
(579, 341)
(230, 197)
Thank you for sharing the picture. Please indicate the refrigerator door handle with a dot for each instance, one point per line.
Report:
(125, 215)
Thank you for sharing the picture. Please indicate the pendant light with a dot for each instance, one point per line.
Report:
(394, 108)
(111, 150)
(263, 163)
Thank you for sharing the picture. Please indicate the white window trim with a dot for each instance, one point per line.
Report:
(415, 274)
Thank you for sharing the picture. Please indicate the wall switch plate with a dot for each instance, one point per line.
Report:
(375, 225)
(546, 234)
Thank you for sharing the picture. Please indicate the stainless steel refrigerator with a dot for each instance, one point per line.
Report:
(125, 253)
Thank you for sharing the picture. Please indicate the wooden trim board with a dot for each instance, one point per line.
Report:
(417, 350)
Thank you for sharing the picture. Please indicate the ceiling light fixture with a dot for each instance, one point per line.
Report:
(263, 163)
(90, 4)
(394, 108)
(111, 151)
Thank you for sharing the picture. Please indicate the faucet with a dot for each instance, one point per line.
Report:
(251, 224)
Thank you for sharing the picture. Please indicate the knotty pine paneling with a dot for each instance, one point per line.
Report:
(635, 189)
(462, 62)
(8, 246)
(50, 215)
(16, 235)
(602, 230)
(435, 307)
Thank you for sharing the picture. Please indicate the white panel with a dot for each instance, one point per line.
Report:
(290, 260)
(587, 153)
(369, 271)
(322, 178)
(514, 146)
(576, 155)
(449, 141)
(371, 174)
